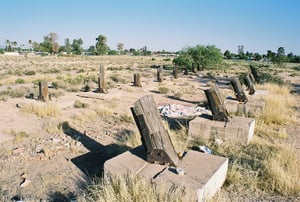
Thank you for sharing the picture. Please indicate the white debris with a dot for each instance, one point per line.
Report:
(177, 110)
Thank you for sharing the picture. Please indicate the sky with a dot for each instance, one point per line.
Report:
(171, 25)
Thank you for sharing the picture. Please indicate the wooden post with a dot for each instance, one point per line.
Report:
(216, 104)
(186, 72)
(238, 90)
(175, 72)
(249, 84)
(252, 78)
(101, 81)
(160, 74)
(194, 67)
(43, 91)
(136, 80)
(155, 137)
(254, 73)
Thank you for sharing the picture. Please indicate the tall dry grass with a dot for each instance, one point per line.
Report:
(278, 112)
(124, 188)
(40, 109)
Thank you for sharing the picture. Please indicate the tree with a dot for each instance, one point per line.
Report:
(120, 47)
(184, 60)
(227, 54)
(200, 56)
(76, 46)
(7, 45)
(101, 45)
(241, 53)
(50, 43)
(270, 55)
(257, 56)
(280, 57)
(67, 47)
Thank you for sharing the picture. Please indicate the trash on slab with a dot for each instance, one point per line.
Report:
(180, 171)
(177, 110)
(202, 149)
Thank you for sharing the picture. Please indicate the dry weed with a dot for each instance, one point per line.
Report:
(123, 188)
(42, 110)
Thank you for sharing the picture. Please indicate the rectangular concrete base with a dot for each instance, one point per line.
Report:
(252, 107)
(203, 176)
(238, 130)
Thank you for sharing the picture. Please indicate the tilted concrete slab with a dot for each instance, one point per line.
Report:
(238, 130)
(204, 174)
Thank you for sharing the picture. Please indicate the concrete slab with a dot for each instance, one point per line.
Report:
(252, 107)
(238, 130)
(204, 174)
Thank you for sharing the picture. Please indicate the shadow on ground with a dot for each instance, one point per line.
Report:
(91, 163)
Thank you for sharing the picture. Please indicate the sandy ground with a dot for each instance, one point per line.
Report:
(51, 157)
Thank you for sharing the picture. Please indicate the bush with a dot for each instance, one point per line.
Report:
(163, 90)
(79, 104)
(29, 72)
(19, 81)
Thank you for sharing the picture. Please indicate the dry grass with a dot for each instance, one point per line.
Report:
(277, 113)
(42, 110)
(123, 188)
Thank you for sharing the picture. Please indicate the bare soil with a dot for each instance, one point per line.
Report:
(54, 157)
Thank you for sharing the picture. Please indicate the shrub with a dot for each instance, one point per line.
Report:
(79, 104)
(163, 90)
(19, 81)
(29, 72)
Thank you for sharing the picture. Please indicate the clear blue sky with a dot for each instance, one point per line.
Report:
(258, 25)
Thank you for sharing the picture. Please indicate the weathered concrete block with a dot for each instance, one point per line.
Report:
(250, 108)
(204, 174)
(238, 130)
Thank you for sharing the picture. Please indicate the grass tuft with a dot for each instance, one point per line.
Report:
(42, 110)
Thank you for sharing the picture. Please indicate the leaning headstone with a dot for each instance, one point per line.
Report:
(175, 72)
(254, 73)
(249, 84)
(238, 90)
(43, 91)
(155, 137)
(216, 104)
(160, 74)
(136, 80)
(201, 175)
(101, 81)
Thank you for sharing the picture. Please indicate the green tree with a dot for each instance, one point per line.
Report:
(50, 43)
(76, 46)
(67, 47)
(200, 56)
(184, 60)
(101, 45)
(270, 55)
(241, 53)
(7, 45)
(227, 54)
(280, 57)
(120, 47)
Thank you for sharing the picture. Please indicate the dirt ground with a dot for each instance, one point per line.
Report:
(44, 158)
